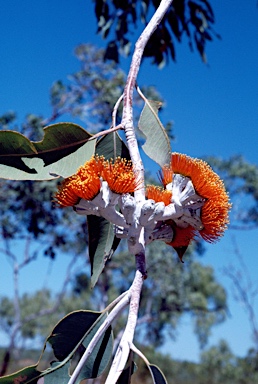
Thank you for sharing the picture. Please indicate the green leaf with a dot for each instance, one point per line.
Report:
(111, 146)
(101, 355)
(128, 371)
(25, 375)
(157, 375)
(75, 331)
(157, 145)
(70, 331)
(101, 240)
(67, 337)
(58, 376)
(64, 148)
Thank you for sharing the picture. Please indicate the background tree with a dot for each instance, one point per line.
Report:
(245, 291)
(219, 364)
(241, 179)
(117, 21)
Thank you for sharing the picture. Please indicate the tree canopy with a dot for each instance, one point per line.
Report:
(118, 20)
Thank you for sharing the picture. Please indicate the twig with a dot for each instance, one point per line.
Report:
(114, 302)
(127, 117)
(103, 133)
(123, 349)
(139, 353)
(115, 110)
(114, 120)
(137, 242)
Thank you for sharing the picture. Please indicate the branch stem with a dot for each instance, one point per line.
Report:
(134, 293)
(124, 346)
(127, 117)
(103, 133)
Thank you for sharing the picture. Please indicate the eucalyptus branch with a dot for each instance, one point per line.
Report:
(136, 239)
(124, 346)
(127, 117)
(114, 302)
(131, 208)
(115, 110)
(136, 242)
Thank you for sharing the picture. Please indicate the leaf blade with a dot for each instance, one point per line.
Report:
(70, 331)
(157, 375)
(64, 147)
(60, 375)
(101, 354)
(111, 146)
(25, 375)
(101, 239)
(157, 145)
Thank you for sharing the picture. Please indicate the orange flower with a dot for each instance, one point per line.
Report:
(66, 196)
(182, 238)
(158, 194)
(85, 184)
(207, 184)
(166, 176)
(120, 176)
(94, 166)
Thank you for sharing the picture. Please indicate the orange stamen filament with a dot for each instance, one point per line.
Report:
(158, 194)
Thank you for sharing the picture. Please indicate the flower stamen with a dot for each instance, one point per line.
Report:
(158, 194)
(84, 184)
(208, 186)
(120, 176)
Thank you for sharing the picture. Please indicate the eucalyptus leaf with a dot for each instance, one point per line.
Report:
(58, 376)
(65, 146)
(101, 240)
(157, 145)
(25, 375)
(101, 354)
(157, 375)
(70, 332)
(111, 146)
(128, 371)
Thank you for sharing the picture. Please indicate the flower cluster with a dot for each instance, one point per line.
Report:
(207, 185)
(192, 201)
(86, 182)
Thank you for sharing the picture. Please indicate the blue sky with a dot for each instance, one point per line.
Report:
(214, 108)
